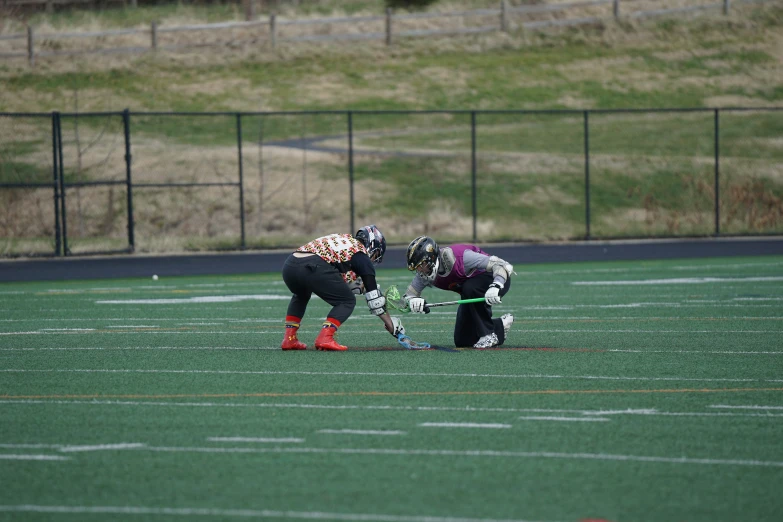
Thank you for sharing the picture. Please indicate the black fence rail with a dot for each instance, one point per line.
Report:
(89, 183)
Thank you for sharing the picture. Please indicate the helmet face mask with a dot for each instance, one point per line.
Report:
(427, 270)
(373, 241)
(423, 258)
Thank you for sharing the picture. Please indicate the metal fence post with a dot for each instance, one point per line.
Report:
(616, 9)
(473, 170)
(128, 179)
(273, 29)
(61, 172)
(587, 173)
(388, 26)
(726, 6)
(241, 182)
(30, 46)
(350, 166)
(154, 35)
(717, 172)
(56, 186)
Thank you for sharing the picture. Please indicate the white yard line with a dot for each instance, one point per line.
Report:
(537, 273)
(681, 281)
(630, 331)
(161, 319)
(163, 331)
(31, 446)
(71, 448)
(219, 348)
(400, 374)
(132, 326)
(490, 426)
(67, 329)
(200, 299)
(83, 348)
(363, 432)
(650, 412)
(33, 457)
(718, 352)
(566, 419)
(240, 513)
(167, 331)
(476, 453)
(753, 407)
(253, 439)
(103, 447)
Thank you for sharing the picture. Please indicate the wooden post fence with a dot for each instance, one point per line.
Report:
(388, 26)
(30, 46)
(273, 30)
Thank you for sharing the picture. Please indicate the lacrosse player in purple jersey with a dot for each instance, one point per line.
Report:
(470, 272)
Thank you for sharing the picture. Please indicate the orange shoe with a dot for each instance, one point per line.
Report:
(326, 341)
(290, 342)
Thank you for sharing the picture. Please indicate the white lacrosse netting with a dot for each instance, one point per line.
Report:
(410, 344)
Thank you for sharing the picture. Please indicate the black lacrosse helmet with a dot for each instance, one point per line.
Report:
(373, 241)
(423, 257)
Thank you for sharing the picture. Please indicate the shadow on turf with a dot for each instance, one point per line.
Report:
(400, 349)
(448, 349)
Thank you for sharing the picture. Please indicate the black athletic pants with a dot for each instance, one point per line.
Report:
(306, 276)
(474, 320)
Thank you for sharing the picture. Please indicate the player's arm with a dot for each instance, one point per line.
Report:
(500, 269)
(376, 302)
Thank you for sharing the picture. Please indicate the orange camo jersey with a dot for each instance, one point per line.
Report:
(336, 248)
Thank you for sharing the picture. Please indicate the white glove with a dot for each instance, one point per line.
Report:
(398, 327)
(416, 304)
(492, 297)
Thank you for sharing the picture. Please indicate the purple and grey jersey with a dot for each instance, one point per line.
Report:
(457, 264)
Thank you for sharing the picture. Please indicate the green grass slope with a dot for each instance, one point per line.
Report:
(651, 174)
(710, 60)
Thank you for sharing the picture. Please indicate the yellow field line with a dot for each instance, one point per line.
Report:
(384, 394)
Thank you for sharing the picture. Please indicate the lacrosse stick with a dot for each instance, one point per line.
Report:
(395, 300)
(410, 344)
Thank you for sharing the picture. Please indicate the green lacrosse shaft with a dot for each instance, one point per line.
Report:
(461, 301)
(392, 295)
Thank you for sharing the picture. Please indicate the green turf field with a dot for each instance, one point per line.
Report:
(633, 391)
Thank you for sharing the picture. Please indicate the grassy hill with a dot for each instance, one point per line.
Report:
(653, 173)
(709, 60)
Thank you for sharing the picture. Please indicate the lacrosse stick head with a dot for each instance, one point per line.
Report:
(410, 344)
(395, 300)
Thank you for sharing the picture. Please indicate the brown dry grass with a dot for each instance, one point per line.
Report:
(277, 207)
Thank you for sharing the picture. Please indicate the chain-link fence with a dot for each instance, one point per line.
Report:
(172, 182)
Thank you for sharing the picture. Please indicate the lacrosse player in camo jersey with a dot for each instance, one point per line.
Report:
(336, 268)
(470, 272)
